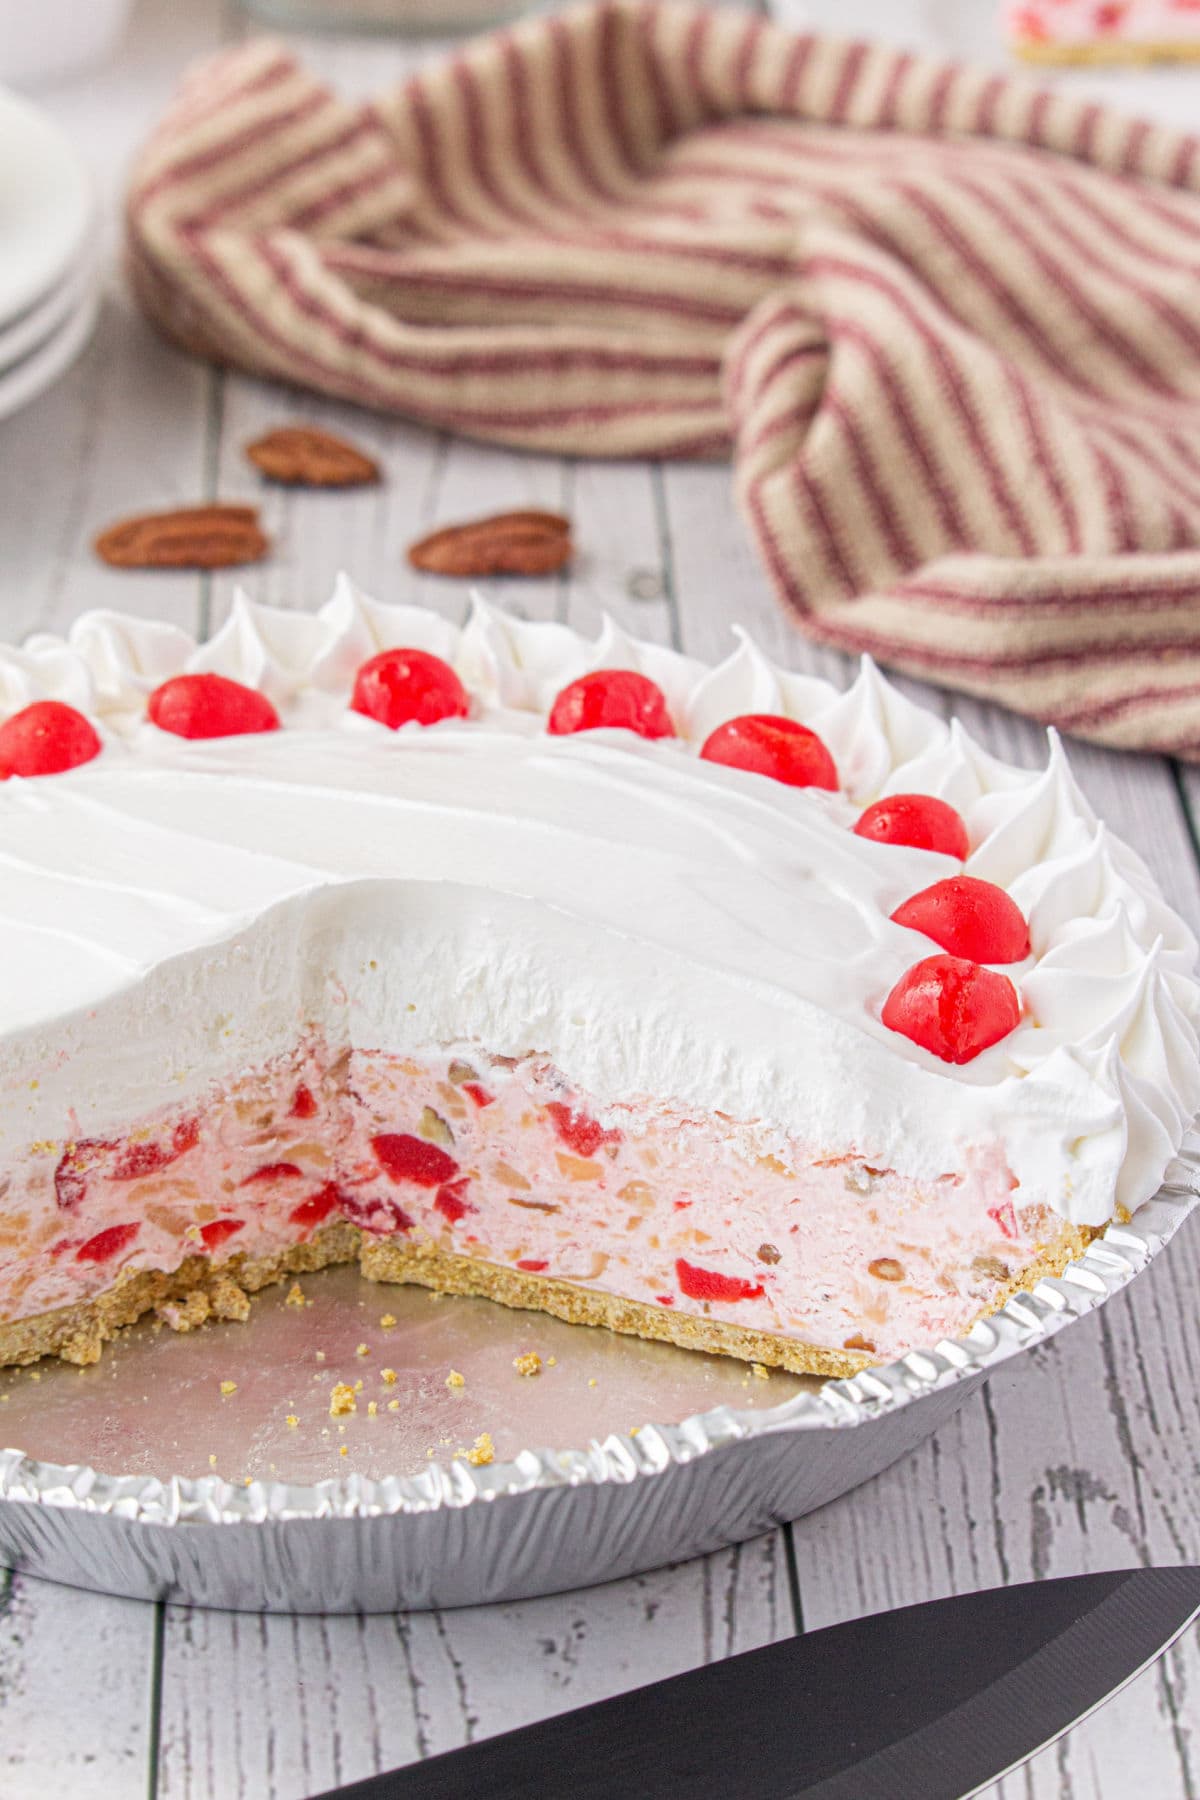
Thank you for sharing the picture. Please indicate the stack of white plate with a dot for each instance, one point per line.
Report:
(49, 253)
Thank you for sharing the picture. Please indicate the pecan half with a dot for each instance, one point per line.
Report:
(512, 543)
(189, 537)
(306, 456)
(886, 1268)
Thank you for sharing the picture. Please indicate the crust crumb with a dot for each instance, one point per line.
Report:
(227, 1388)
(186, 1314)
(455, 1380)
(387, 1321)
(528, 1364)
(85, 1345)
(760, 1372)
(292, 1421)
(393, 1406)
(229, 1301)
(372, 1408)
(362, 1350)
(341, 1400)
(389, 1376)
(482, 1451)
(295, 1295)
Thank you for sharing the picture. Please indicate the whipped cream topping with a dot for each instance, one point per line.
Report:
(658, 925)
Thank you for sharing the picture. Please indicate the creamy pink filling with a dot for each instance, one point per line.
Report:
(503, 1161)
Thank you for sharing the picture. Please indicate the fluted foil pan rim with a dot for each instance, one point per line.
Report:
(1029, 1318)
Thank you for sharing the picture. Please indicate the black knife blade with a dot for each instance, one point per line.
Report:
(935, 1700)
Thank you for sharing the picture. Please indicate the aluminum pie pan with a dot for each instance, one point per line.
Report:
(452, 1533)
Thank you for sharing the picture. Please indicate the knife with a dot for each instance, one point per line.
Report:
(935, 1700)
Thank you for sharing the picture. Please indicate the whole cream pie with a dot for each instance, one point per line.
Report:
(711, 1005)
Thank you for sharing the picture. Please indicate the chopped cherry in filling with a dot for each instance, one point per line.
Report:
(1005, 1217)
(406, 1158)
(303, 1105)
(532, 1266)
(74, 1166)
(952, 1007)
(318, 1206)
(139, 1159)
(374, 1213)
(711, 1284)
(918, 820)
(210, 706)
(970, 918)
(46, 738)
(280, 1171)
(107, 1244)
(478, 1094)
(612, 698)
(579, 1133)
(217, 1231)
(768, 744)
(408, 687)
(451, 1203)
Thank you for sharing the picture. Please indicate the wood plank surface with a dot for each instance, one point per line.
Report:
(287, 1707)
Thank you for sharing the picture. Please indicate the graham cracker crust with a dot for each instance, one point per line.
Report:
(428, 1266)
(199, 1290)
(194, 1292)
(1107, 53)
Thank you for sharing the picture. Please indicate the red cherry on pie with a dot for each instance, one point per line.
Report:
(969, 918)
(918, 820)
(46, 738)
(210, 706)
(768, 744)
(619, 698)
(952, 1007)
(408, 687)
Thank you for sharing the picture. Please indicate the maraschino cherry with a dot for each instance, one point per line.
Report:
(714, 1284)
(46, 738)
(768, 744)
(952, 1007)
(210, 706)
(408, 687)
(919, 820)
(969, 918)
(619, 698)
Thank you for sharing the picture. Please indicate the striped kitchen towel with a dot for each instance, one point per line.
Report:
(947, 322)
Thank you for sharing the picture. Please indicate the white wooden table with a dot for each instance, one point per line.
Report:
(1084, 1456)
